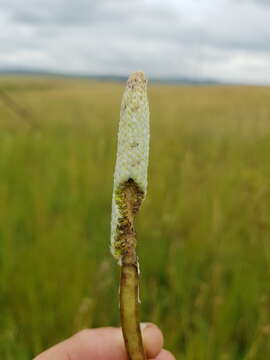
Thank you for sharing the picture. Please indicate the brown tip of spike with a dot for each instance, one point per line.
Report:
(137, 79)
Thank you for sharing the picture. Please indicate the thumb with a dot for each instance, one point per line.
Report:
(102, 344)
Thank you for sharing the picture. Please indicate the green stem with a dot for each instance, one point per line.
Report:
(129, 309)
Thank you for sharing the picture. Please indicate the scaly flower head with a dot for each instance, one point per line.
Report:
(132, 152)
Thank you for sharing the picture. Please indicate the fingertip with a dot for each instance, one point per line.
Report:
(164, 355)
(99, 343)
(152, 339)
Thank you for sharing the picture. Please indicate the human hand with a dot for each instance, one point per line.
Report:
(106, 344)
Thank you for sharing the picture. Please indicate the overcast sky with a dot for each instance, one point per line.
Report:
(221, 39)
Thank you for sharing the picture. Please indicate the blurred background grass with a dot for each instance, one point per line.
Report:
(203, 230)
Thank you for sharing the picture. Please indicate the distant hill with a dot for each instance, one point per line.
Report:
(106, 78)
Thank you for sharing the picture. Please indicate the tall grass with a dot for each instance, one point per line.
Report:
(204, 227)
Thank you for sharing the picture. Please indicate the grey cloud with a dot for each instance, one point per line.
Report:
(64, 13)
(256, 2)
(126, 18)
(117, 36)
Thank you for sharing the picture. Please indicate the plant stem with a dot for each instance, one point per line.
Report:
(129, 312)
(129, 285)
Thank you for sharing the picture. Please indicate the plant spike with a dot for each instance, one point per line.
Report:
(130, 184)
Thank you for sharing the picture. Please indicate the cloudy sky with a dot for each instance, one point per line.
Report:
(221, 39)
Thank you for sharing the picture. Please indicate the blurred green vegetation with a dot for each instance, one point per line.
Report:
(204, 235)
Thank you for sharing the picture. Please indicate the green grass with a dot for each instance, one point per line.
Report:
(203, 231)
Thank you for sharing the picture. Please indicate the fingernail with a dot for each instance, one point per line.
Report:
(145, 325)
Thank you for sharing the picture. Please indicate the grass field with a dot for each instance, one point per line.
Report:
(204, 229)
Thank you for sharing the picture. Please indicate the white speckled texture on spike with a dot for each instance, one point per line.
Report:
(133, 144)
